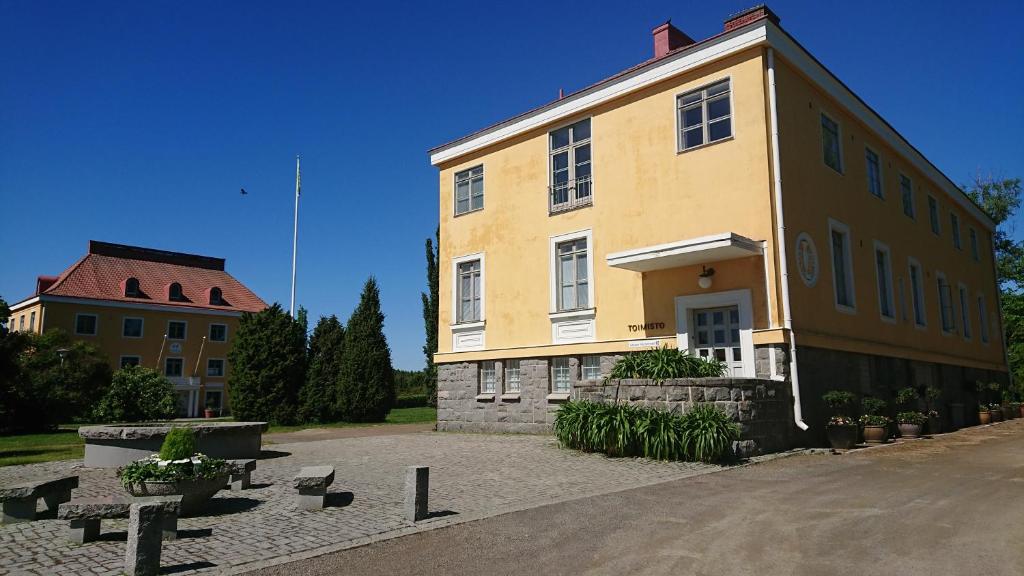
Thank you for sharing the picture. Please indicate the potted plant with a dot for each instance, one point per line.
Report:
(909, 420)
(842, 429)
(994, 407)
(1008, 411)
(876, 426)
(996, 411)
(177, 469)
(209, 413)
(984, 416)
(931, 396)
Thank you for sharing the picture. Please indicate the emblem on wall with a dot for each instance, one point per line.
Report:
(807, 259)
(175, 348)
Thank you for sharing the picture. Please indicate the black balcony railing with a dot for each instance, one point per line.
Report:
(569, 195)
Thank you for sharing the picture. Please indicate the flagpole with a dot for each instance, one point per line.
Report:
(295, 231)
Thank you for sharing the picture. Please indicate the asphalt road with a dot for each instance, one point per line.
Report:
(949, 505)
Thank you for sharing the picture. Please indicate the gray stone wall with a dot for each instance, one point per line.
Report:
(763, 360)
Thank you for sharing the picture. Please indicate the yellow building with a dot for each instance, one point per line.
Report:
(165, 310)
(730, 197)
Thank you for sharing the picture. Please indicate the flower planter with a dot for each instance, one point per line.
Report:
(876, 434)
(1007, 413)
(934, 425)
(842, 437)
(910, 430)
(209, 413)
(984, 417)
(195, 493)
(997, 415)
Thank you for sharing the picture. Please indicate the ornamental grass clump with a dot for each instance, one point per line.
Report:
(666, 363)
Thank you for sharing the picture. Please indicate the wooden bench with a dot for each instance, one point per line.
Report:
(312, 483)
(241, 474)
(85, 514)
(20, 501)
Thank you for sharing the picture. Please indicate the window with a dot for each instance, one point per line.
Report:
(216, 296)
(174, 367)
(965, 312)
(21, 324)
(874, 173)
(174, 293)
(176, 330)
(903, 299)
(32, 321)
(131, 327)
(883, 271)
(85, 324)
(591, 368)
(469, 288)
(469, 190)
(907, 194)
(842, 266)
(127, 361)
(560, 381)
(215, 367)
(704, 115)
(487, 377)
(571, 178)
(830, 144)
(983, 318)
(572, 275)
(954, 222)
(917, 293)
(945, 303)
(512, 377)
(131, 288)
(218, 332)
(975, 253)
(933, 215)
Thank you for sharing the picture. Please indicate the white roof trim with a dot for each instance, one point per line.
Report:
(714, 248)
(131, 305)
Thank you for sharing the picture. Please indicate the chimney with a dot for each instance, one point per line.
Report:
(749, 15)
(668, 38)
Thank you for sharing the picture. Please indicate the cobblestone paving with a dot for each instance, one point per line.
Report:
(471, 476)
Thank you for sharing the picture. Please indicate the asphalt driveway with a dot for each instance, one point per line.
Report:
(949, 505)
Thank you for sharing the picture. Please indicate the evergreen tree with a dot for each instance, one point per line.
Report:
(366, 381)
(430, 318)
(318, 398)
(268, 366)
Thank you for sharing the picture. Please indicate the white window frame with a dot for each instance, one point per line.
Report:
(468, 336)
(555, 368)
(742, 299)
(839, 142)
(680, 148)
(209, 331)
(867, 170)
(184, 336)
(572, 187)
(32, 321)
(182, 358)
(488, 367)
(120, 360)
(95, 324)
(954, 223)
(884, 248)
(590, 363)
(553, 256)
(223, 367)
(964, 298)
(512, 367)
(571, 325)
(917, 296)
(455, 190)
(456, 304)
(975, 249)
(983, 318)
(837, 226)
(934, 215)
(913, 202)
(142, 326)
(940, 279)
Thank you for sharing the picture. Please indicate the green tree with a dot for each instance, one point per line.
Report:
(430, 317)
(318, 398)
(136, 394)
(366, 381)
(268, 366)
(11, 346)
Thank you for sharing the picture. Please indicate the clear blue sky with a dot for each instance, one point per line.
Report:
(138, 122)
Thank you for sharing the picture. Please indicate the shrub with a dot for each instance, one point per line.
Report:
(179, 444)
(411, 401)
(665, 363)
(709, 432)
(871, 409)
(136, 394)
(907, 396)
(268, 366)
(837, 400)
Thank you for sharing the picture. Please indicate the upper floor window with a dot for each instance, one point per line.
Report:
(32, 321)
(954, 223)
(933, 215)
(705, 115)
(830, 144)
(883, 272)
(907, 195)
(572, 275)
(965, 311)
(174, 292)
(127, 361)
(469, 290)
(975, 253)
(917, 293)
(874, 172)
(216, 296)
(176, 330)
(945, 303)
(842, 265)
(131, 327)
(982, 318)
(215, 367)
(218, 332)
(174, 367)
(85, 324)
(131, 288)
(571, 170)
(469, 190)
(21, 324)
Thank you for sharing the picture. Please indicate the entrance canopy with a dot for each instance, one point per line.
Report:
(714, 248)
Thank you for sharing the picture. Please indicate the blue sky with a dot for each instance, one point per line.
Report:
(138, 122)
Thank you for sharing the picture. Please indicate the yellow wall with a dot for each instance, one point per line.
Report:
(813, 192)
(23, 316)
(645, 193)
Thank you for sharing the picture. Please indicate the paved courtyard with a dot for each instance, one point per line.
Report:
(472, 477)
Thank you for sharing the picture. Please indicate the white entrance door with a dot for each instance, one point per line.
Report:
(716, 334)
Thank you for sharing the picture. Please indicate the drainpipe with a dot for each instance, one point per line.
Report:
(780, 244)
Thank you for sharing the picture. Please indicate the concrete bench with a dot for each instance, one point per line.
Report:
(241, 474)
(19, 501)
(312, 483)
(85, 514)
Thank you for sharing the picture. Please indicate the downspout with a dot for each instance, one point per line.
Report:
(780, 244)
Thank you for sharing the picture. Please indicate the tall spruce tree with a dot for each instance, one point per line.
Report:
(366, 381)
(430, 318)
(268, 366)
(318, 400)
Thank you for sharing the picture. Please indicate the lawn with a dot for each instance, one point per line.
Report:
(64, 444)
(396, 416)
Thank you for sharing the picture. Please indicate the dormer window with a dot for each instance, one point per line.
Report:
(216, 296)
(174, 293)
(131, 288)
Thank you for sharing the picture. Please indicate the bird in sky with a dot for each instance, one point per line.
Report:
(244, 193)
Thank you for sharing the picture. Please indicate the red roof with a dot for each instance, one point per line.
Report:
(103, 273)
